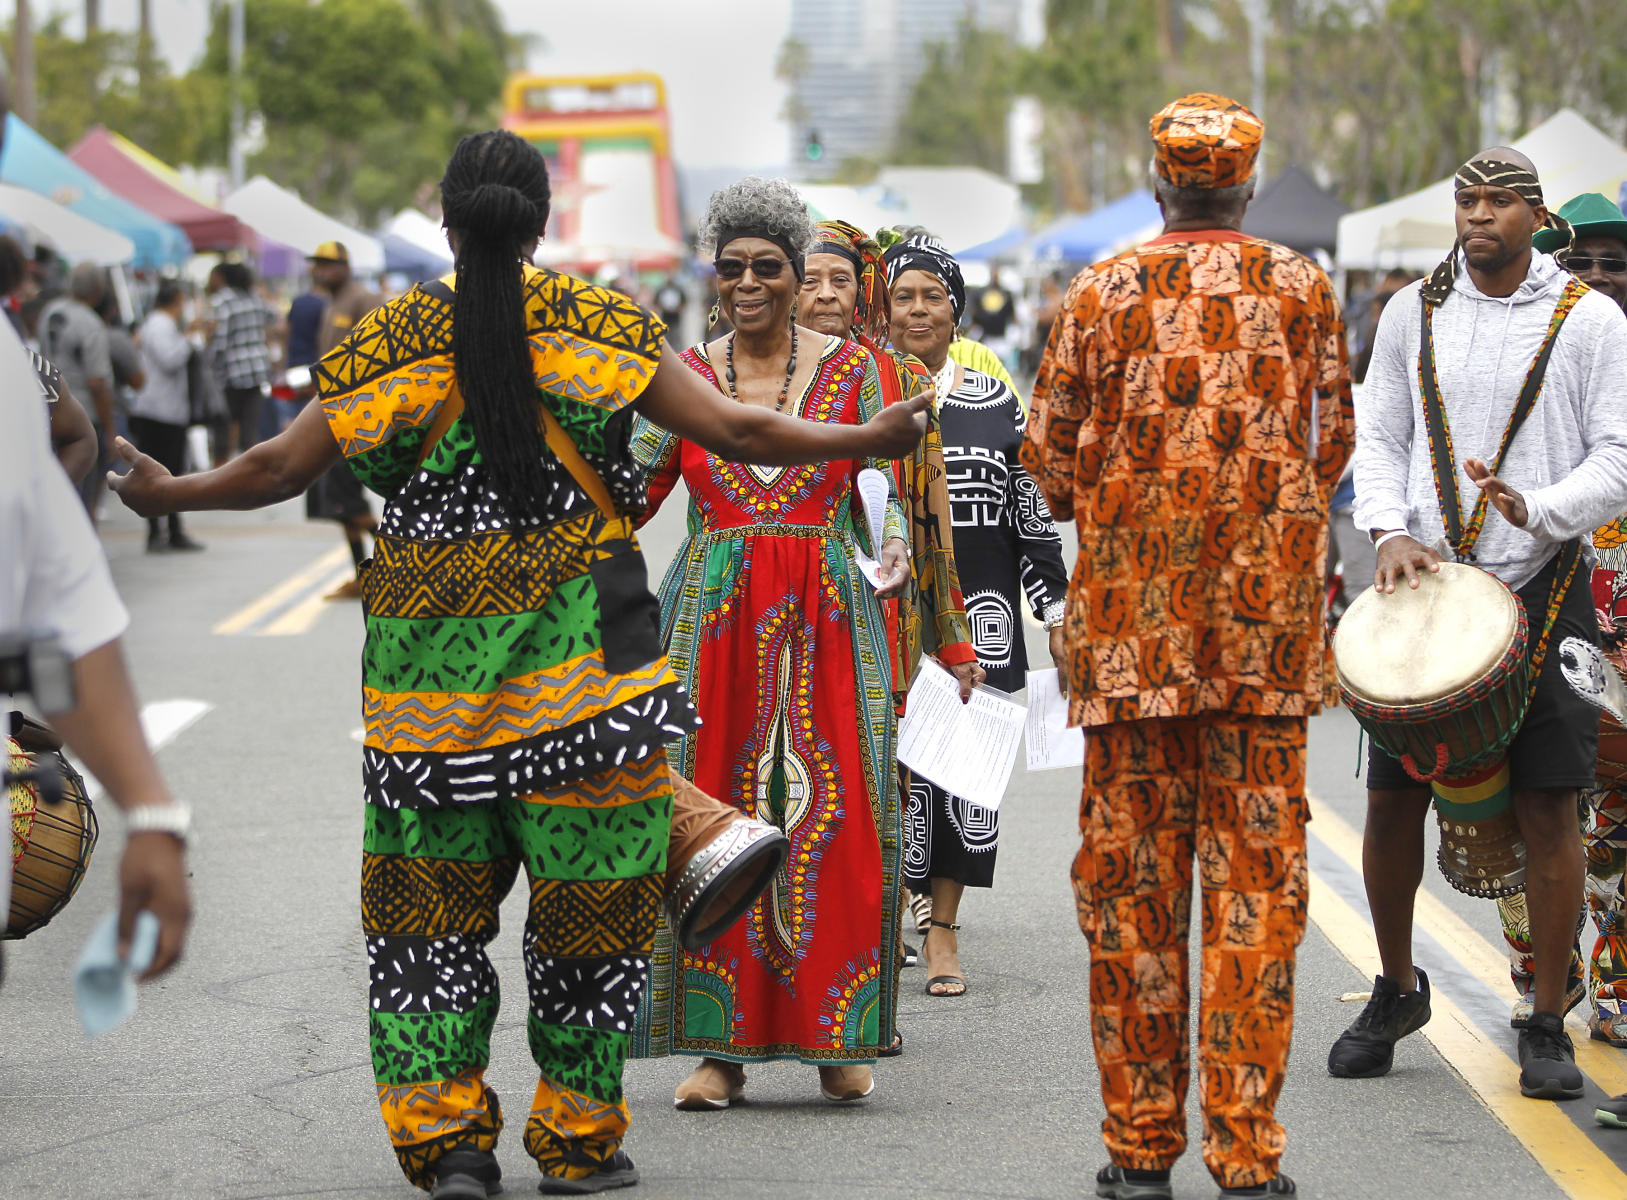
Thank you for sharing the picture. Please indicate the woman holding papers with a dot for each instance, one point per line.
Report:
(1005, 544)
(781, 643)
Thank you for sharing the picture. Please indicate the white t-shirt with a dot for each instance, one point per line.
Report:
(53, 576)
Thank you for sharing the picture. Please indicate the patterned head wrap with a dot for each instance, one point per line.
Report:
(871, 315)
(1205, 141)
(1490, 172)
(932, 256)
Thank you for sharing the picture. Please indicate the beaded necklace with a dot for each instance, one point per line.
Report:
(790, 370)
(944, 380)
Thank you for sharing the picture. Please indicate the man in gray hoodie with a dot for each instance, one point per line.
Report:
(1490, 308)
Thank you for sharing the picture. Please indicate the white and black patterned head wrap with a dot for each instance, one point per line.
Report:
(1488, 171)
(932, 256)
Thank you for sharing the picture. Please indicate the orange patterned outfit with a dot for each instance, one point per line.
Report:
(1192, 416)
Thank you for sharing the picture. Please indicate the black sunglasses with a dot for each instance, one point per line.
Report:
(1579, 264)
(763, 268)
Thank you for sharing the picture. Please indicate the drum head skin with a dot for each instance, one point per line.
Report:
(1417, 645)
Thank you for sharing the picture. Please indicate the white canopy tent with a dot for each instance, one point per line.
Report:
(964, 206)
(280, 215)
(74, 237)
(1415, 231)
(870, 208)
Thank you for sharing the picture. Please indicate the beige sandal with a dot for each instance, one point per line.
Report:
(846, 1085)
(713, 1085)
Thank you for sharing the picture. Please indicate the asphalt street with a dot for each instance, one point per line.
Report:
(246, 1073)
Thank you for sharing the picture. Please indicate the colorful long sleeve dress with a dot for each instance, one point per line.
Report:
(1006, 544)
(768, 622)
(930, 616)
(516, 703)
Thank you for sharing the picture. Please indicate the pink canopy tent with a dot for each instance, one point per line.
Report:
(117, 163)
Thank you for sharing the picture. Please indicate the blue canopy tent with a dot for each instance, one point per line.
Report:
(412, 260)
(32, 162)
(1007, 244)
(1094, 235)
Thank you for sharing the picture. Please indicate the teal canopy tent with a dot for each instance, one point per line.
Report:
(32, 162)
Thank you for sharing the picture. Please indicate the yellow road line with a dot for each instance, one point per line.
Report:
(1581, 1169)
(1606, 1065)
(1547, 1131)
(283, 592)
(303, 615)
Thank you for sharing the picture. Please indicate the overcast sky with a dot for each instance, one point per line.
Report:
(717, 57)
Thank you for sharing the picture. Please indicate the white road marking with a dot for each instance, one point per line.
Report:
(162, 721)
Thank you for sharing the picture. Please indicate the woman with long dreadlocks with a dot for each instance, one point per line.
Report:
(515, 695)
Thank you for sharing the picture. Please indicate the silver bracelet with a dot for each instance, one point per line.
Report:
(1384, 537)
(1054, 613)
(173, 819)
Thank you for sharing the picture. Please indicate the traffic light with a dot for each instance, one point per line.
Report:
(813, 148)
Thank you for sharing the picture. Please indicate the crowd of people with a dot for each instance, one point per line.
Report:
(1192, 416)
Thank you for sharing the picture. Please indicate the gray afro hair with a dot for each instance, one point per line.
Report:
(757, 203)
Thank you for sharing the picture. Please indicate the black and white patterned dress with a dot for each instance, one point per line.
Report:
(1006, 546)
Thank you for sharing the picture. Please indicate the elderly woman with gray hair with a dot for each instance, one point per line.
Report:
(781, 642)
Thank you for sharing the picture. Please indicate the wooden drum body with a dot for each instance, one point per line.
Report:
(1439, 677)
(51, 843)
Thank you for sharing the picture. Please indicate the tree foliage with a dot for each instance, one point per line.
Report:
(960, 116)
(360, 101)
(357, 102)
(1380, 96)
(107, 79)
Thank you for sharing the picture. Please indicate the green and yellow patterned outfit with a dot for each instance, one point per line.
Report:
(505, 728)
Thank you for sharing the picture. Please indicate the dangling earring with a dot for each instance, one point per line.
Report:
(793, 314)
(712, 317)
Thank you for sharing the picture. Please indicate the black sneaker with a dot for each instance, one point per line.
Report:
(1612, 1113)
(1120, 1183)
(466, 1175)
(1548, 1060)
(618, 1171)
(1278, 1185)
(1366, 1049)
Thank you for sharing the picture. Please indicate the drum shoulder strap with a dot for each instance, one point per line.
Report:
(558, 440)
(1443, 461)
(1569, 559)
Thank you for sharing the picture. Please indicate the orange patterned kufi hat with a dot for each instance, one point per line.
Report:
(1206, 141)
(872, 314)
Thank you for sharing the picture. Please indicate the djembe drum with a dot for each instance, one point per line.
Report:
(53, 831)
(1439, 677)
(719, 861)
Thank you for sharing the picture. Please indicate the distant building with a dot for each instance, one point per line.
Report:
(862, 60)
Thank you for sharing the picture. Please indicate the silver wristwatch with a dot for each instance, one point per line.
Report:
(173, 819)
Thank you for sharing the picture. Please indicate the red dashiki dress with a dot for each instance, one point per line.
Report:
(782, 645)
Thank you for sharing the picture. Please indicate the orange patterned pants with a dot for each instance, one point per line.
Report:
(1228, 792)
